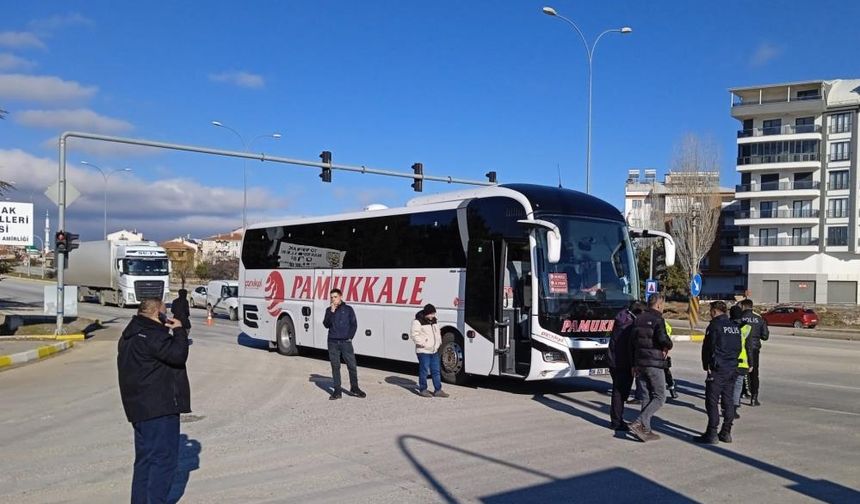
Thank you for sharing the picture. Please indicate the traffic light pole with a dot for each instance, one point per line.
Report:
(61, 199)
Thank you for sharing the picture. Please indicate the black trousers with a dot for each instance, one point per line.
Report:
(622, 382)
(670, 381)
(753, 376)
(719, 390)
(336, 350)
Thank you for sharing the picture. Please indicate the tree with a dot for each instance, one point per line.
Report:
(202, 270)
(225, 269)
(693, 200)
(672, 282)
(184, 270)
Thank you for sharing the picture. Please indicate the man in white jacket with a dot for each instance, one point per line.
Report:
(425, 335)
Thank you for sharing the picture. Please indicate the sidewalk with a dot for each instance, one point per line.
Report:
(16, 352)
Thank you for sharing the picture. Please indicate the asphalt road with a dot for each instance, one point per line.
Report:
(263, 430)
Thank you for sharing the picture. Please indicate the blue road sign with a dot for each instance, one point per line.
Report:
(696, 285)
(650, 288)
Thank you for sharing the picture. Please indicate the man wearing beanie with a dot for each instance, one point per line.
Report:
(425, 335)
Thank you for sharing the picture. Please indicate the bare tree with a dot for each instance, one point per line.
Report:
(693, 199)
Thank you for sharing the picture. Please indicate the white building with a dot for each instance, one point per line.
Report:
(125, 234)
(649, 203)
(221, 247)
(797, 158)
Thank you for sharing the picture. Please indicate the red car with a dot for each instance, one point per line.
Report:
(794, 316)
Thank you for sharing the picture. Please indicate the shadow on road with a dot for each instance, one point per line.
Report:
(325, 383)
(404, 383)
(247, 341)
(189, 460)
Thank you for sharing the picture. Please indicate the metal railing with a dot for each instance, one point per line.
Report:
(778, 186)
(756, 101)
(806, 213)
(840, 128)
(837, 214)
(837, 241)
(843, 156)
(788, 129)
(839, 186)
(793, 241)
(778, 158)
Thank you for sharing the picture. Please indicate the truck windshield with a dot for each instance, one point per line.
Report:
(150, 267)
(597, 267)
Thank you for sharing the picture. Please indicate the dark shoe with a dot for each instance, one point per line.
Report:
(737, 415)
(638, 430)
(754, 401)
(634, 401)
(622, 427)
(651, 436)
(357, 392)
(440, 393)
(335, 395)
(725, 436)
(672, 393)
(425, 393)
(706, 438)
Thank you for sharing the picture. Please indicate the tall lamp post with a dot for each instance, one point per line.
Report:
(589, 50)
(105, 176)
(246, 146)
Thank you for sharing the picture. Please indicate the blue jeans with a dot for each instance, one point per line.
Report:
(156, 455)
(429, 364)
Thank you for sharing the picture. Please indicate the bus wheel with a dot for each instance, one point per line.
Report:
(453, 362)
(234, 314)
(286, 337)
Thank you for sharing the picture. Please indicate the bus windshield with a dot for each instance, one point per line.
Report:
(597, 266)
(151, 267)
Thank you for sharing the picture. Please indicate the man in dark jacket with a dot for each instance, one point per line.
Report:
(153, 384)
(621, 363)
(758, 333)
(180, 310)
(341, 324)
(720, 352)
(651, 345)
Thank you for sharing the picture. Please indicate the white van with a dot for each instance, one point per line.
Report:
(222, 296)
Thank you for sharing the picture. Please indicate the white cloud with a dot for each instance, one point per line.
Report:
(161, 209)
(42, 88)
(16, 39)
(764, 54)
(59, 21)
(75, 119)
(241, 79)
(9, 61)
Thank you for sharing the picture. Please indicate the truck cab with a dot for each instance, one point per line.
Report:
(222, 296)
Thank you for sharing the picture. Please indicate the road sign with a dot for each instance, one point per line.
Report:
(16, 223)
(650, 287)
(696, 285)
(53, 193)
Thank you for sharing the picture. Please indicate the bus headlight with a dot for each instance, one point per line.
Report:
(554, 356)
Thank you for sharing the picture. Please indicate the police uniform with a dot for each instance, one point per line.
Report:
(670, 381)
(720, 351)
(758, 333)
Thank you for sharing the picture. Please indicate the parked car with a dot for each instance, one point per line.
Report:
(794, 316)
(222, 296)
(198, 297)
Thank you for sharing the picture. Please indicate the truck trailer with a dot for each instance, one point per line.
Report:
(119, 272)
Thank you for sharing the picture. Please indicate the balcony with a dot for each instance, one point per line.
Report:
(798, 185)
(806, 213)
(759, 101)
(845, 156)
(840, 128)
(837, 241)
(787, 129)
(838, 186)
(757, 105)
(774, 244)
(837, 214)
(808, 157)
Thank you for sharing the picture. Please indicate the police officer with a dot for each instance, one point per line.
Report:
(720, 352)
(670, 381)
(758, 333)
(743, 359)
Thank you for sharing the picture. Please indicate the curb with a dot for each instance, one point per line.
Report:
(32, 355)
(695, 338)
(56, 337)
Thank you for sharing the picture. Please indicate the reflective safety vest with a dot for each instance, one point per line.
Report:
(743, 361)
(668, 328)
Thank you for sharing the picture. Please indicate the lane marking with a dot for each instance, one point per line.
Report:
(824, 384)
(836, 411)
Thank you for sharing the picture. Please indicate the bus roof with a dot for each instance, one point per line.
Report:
(557, 200)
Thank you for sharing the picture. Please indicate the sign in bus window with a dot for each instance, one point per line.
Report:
(558, 283)
(291, 255)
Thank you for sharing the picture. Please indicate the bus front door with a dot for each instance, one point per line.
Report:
(513, 343)
(482, 310)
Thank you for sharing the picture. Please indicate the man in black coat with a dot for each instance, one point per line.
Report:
(153, 384)
(180, 310)
(758, 333)
(651, 345)
(621, 363)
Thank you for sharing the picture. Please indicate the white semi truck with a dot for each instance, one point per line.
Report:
(119, 272)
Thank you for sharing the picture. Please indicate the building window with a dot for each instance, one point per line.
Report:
(809, 94)
(804, 125)
(771, 127)
(801, 209)
(841, 123)
(637, 204)
(838, 180)
(837, 208)
(778, 152)
(801, 236)
(840, 151)
(767, 237)
(767, 209)
(837, 235)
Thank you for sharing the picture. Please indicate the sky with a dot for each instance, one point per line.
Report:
(462, 87)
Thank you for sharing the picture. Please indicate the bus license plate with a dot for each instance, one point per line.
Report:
(598, 371)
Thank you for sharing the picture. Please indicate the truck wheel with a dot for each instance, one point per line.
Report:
(234, 314)
(120, 300)
(453, 359)
(102, 299)
(286, 337)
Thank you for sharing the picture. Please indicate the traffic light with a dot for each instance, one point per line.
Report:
(418, 184)
(72, 241)
(491, 176)
(60, 244)
(325, 156)
(659, 262)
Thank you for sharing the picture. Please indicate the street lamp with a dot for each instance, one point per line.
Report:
(246, 146)
(105, 176)
(589, 50)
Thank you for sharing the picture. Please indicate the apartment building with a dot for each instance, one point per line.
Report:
(649, 202)
(798, 191)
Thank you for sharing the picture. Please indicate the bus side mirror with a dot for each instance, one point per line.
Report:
(553, 243)
(669, 247)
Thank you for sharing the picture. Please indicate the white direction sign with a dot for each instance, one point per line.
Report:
(53, 193)
(16, 223)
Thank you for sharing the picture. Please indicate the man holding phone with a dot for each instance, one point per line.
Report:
(153, 384)
(341, 324)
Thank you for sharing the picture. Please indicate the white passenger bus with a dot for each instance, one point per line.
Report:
(526, 279)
